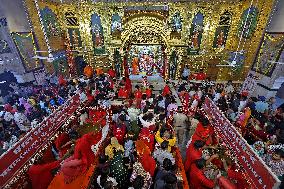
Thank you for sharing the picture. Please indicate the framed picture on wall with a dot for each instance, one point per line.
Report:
(27, 46)
(270, 50)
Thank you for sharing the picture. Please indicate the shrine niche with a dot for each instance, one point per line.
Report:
(146, 60)
(269, 52)
(248, 22)
(116, 25)
(97, 34)
(60, 63)
(222, 31)
(50, 22)
(196, 34)
(75, 37)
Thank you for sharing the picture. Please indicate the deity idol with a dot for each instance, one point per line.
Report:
(194, 40)
(221, 39)
(135, 68)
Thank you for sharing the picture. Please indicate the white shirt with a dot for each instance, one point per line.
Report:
(217, 97)
(162, 104)
(83, 97)
(194, 104)
(133, 113)
(21, 121)
(191, 93)
(242, 105)
(229, 89)
(83, 118)
(199, 94)
(8, 116)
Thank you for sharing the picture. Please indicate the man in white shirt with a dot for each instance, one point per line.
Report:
(22, 121)
(181, 123)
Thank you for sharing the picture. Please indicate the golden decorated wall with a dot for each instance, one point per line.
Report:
(153, 25)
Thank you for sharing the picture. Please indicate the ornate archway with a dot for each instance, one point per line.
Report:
(145, 30)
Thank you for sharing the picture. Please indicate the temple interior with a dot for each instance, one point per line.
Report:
(141, 94)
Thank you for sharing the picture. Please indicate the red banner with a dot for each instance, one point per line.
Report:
(14, 159)
(260, 176)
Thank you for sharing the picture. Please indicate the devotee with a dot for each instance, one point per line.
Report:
(162, 153)
(275, 160)
(164, 134)
(172, 107)
(166, 90)
(104, 178)
(137, 96)
(197, 177)
(123, 92)
(193, 153)
(203, 132)
(42, 174)
(112, 147)
(21, 119)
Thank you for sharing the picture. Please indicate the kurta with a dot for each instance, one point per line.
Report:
(148, 138)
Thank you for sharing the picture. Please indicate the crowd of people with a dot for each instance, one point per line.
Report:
(26, 106)
(257, 119)
(146, 129)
